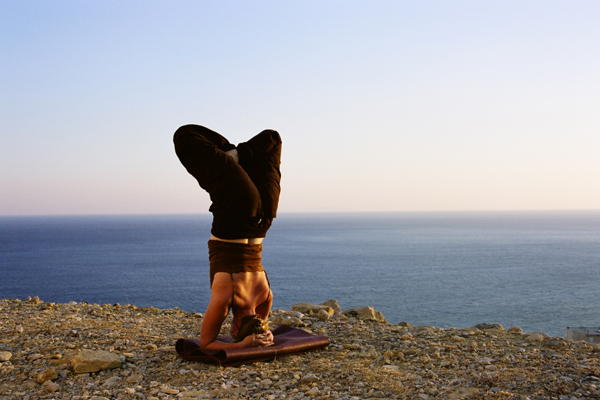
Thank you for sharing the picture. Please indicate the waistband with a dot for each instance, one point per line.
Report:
(233, 257)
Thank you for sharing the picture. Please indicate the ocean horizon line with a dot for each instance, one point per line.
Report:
(331, 213)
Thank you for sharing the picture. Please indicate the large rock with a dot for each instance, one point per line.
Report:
(534, 337)
(288, 320)
(93, 361)
(308, 308)
(366, 312)
(515, 330)
(485, 327)
(333, 304)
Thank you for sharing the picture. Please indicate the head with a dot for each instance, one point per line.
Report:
(250, 324)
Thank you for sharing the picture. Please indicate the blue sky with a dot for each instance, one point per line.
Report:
(382, 105)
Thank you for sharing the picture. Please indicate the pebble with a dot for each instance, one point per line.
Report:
(310, 378)
(313, 392)
(368, 358)
(135, 378)
(50, 386)
(34, 357)
(47, 375)
(5, 356)
(110, 382)
(323, 315)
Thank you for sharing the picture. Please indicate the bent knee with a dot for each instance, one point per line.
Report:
(182, 133)
(273, 137)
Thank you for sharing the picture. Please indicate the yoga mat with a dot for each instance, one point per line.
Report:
(287, 341)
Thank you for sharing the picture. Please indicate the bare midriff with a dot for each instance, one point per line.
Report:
(244, 240)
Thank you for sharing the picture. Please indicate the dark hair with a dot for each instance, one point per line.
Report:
(250, 324)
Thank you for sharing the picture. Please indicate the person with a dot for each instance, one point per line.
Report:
(243, 182)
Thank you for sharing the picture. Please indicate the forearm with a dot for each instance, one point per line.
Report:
(264, 339)
(218, 345)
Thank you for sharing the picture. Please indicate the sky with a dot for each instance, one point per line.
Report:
(381, 105)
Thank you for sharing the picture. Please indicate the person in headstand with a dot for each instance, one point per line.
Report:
(244, 186)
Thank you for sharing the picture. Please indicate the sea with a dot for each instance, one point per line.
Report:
(537, 270)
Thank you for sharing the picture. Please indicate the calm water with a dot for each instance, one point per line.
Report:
(537, 270)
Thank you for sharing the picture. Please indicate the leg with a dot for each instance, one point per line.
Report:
(202, 153)
(261, 157)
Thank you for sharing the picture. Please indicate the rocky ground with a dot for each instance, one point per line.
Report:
(91, 351)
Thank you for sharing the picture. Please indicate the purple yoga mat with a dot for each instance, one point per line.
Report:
(287, 340)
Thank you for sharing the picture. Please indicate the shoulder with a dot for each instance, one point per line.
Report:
(222, 287)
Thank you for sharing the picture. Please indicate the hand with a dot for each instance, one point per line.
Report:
(263, 339)
(266, 338)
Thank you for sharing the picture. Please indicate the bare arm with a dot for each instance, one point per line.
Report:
(218, 308)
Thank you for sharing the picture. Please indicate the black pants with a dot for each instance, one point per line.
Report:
(244, 195)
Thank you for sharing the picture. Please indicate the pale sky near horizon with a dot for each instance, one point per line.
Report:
(382, 105)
